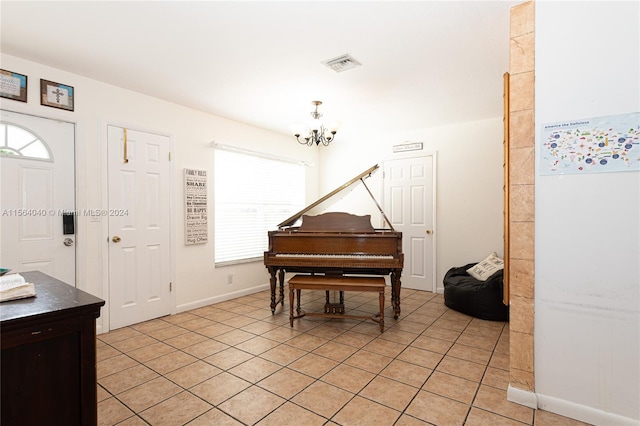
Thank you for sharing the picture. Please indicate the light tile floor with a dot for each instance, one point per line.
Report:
(234, 363)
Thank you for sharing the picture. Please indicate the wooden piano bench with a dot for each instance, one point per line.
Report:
(333, 283)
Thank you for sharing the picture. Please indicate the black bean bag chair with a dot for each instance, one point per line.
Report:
(480, 299)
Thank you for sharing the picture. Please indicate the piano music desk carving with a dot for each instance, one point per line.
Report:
(335, 243)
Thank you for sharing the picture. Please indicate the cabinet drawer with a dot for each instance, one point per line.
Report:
(34, 331)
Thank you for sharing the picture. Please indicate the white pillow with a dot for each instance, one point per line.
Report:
(489, 266)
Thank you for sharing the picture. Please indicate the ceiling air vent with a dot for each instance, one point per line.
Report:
(342, 63)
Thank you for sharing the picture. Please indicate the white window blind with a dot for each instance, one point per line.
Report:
(253, 195)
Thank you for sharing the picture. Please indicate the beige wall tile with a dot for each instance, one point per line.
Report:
(522, 172)
(521, 353)
(521, 54)
(521, 203)
(521, 129)
(522, 19)
(521, 315)
(522, 240)
(521, 278)
(522, 166)
(521, 91)
(522, 379)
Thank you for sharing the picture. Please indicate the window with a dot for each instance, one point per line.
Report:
(20, 143)
(253, 194)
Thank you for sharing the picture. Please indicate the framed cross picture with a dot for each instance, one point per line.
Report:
(56, 95)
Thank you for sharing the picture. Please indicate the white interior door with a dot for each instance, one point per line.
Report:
(38, 185)
(409, 204)
(139, 233)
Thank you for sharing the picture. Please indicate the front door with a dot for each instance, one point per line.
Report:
(409, 203)
(37, 189)
(139, 231)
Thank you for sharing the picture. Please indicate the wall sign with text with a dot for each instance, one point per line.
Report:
(196, 229)
(13, 86)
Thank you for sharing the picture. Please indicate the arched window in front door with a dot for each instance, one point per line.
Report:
(18, 142)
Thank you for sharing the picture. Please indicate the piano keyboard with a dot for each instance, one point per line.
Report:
(334, 256)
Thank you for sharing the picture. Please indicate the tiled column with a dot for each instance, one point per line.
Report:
(521, 195)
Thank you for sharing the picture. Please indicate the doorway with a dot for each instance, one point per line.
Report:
(139, 226)
(409, 200)
(37, 202)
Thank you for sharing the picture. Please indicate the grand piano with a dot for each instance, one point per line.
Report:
(335, 243)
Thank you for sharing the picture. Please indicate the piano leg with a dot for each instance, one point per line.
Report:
(334, 308)
(281, 276)
(272, 284)
(395, 292)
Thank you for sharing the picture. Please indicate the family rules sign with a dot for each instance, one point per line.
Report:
(196, 229)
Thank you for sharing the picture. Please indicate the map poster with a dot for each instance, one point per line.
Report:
(591, 145)
(196, 230)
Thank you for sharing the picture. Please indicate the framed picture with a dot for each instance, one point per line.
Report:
(13, 86)
(56, 95)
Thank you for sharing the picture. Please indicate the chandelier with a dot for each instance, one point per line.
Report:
(316, 133)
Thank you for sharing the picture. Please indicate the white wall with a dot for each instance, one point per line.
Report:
(469, 193)
(196, 281)
(587, 268)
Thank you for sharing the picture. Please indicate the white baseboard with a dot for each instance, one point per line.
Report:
(569, 409)
(224, 297)
(522, 397)
(583, 413)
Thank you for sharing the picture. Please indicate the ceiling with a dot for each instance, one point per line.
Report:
(424, 63)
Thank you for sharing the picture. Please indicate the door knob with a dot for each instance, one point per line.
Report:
(67, 242)
(429, 232)
(115, 239)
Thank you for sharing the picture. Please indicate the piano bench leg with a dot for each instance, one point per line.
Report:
(291, 297)
(298, 310)
(294, 300)
(381, 298)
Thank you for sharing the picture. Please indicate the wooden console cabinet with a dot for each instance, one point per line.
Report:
(49, 355)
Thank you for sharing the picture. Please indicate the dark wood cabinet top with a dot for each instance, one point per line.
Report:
(53, 297)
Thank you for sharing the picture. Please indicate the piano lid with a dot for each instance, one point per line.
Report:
(341, 191)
